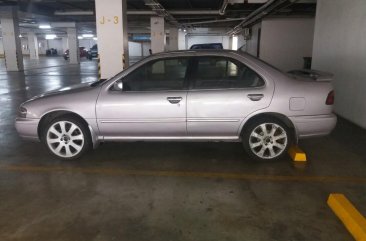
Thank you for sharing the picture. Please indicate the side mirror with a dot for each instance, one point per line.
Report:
(118, 85)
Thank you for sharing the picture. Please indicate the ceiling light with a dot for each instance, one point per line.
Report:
(44, 26)
(20, 36)
(95, 38)
(80, 37)
(51, 36)
(88, 35)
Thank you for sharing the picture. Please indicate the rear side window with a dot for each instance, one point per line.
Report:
(219, 72)
(163, 74)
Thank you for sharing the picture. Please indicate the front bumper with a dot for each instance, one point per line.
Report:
(27, 128)
(312, 126)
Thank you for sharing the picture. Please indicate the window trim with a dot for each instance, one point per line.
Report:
(192, 79)
(185, 81)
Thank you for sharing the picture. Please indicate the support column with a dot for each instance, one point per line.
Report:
(157, 34)
(33, 45)
(181, 40)
(230, 43)
(65, 44)
(72, 38)
(112, 35)
(173, 39)
(1, 48)
(11, 41)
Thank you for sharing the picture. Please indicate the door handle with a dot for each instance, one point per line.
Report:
(174, 100)
(255, 97)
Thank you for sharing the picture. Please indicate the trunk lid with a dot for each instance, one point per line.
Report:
(311, 75)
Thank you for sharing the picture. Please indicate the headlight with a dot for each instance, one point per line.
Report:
(22, 112)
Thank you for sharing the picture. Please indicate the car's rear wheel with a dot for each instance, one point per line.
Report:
(266, 139)
(66, 138)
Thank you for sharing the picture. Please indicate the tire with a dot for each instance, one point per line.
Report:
(66, 138)
(266, 139)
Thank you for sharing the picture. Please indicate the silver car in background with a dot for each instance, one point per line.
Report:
(196, 95)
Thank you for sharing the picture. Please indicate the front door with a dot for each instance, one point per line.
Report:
(151, 105)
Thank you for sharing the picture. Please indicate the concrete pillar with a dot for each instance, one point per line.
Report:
(11, 41)
(72, 38)
(230, 43)
(157, 34)
(173, 39)
(181, 40)
(33, 45)
(65, 44)
(112, 35)
(1, 48)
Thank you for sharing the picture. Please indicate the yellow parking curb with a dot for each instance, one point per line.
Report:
(297, 154)
(348, 214)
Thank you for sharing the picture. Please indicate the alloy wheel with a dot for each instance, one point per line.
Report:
(268, 140)
(65, 139)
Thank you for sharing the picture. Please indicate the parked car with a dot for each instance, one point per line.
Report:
(51, 52)
(188, 96)
(82, 51)
(93, 52)
(207, 46)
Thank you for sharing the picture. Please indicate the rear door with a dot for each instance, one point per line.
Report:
(223, 92)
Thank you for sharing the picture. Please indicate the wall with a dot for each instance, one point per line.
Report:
(43, 46)
(56, 44)
(252, 43)
(340, 48)
(87, 43)
(284, 42)
(241, 41)
(134, 48)
(24, 46)
(145, 48)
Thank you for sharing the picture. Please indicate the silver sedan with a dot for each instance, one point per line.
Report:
(185, 96)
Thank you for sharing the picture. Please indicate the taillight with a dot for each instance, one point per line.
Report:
(330, 98)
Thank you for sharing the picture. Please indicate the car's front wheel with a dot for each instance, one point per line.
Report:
(67, 138)
(266, 139)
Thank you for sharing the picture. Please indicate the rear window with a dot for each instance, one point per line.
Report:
(221, 72)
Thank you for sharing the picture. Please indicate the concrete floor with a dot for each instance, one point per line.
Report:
(166, 191)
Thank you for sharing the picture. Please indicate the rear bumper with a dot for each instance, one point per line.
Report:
(312, 126)
(27, 128)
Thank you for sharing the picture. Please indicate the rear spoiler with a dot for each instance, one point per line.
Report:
(312, 74)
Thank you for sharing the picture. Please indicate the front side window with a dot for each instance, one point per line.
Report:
(219, 72)
(164, 74)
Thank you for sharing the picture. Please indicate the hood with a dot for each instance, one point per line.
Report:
(64, 90)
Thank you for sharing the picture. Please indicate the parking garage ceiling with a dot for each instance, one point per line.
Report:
(187, 13)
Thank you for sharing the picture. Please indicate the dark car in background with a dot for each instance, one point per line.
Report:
(207, 46)
(82, 50)
(93, 52)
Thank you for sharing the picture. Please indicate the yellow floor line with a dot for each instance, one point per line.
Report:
(160, 173)
(297, 154)
(348, 214)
